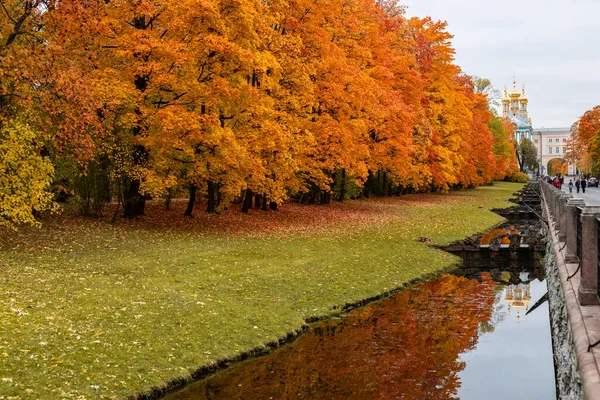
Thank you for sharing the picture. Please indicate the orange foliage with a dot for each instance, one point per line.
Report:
(586, 140)
(558, 166)
(510, 160)
(274, 97)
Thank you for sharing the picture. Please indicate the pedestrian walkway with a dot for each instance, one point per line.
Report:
(591, 195)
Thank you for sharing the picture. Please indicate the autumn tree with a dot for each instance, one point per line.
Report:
(245, 100)
(448, 112)
(503, 148)
(25, 176)
(586, 141)
(48, 103)
(484, 86)
(526, 155)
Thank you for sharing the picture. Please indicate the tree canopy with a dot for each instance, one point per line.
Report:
(527, 155)
(228, 100)
(585, 146)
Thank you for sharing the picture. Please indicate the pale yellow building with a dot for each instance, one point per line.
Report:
(552, 143)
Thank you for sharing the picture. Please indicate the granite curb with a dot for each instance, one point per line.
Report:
(584, 321)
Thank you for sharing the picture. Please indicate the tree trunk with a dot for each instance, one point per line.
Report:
(273, 206)
(247, 201)
(134, 201)
(325, 197)
(168, 199)
(119, 200)
(210, 208)
(520, 159)
(191, 202)
(257, 201)
(219, 195)
(343, 185)
(264, 204)
(385, 184)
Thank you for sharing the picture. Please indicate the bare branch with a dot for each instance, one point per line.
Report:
(7, 13)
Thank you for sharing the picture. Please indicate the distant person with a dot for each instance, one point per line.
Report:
(571, 186)
(577, 184)
(556, 182)
(583, 185)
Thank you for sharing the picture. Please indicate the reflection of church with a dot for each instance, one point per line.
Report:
(518, 297)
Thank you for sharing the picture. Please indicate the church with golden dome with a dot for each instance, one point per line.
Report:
(514, 107)
(550, 143)
(518, 297)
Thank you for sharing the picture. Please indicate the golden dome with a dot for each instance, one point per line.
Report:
(523, 98)
(515, 94)
(505, 98)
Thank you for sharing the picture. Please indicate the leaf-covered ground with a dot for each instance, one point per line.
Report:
(94, 310)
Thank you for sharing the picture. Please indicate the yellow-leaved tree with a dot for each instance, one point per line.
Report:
(25, 176)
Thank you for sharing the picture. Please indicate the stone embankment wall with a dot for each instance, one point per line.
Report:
(566, 361)
(568, 380)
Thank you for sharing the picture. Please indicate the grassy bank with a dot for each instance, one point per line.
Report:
(94, 310)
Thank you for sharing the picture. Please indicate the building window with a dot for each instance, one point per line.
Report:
(549, 150)
(535, 141)
(550, 140)
(564, 140)
(564, 149)
(557, 152)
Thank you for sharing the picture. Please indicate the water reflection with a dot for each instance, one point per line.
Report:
(405, 347)
(503, 235)
(518, 297)
(514, 359)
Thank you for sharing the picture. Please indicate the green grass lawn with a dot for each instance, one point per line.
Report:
(104, 311)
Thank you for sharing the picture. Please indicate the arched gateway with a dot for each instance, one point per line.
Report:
(557, 166)
(552, 143)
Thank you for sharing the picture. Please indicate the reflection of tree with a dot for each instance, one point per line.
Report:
(498, 313)
(405, 347)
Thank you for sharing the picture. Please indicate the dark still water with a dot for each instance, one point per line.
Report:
(449, 338)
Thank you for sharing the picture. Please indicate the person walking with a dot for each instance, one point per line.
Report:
(577, 184)
(556, 182)
(570, 185)
(583, 185)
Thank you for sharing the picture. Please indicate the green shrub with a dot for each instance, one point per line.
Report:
(520, 177)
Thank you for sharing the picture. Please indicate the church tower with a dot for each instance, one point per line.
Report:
(514, 108)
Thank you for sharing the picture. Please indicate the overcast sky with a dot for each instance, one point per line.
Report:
(553, 47)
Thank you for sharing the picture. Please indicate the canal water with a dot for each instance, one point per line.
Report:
(465, 335)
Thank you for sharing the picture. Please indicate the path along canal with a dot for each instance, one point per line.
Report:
(463, 335)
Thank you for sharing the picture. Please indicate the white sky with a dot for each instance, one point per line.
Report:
(553, 47)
